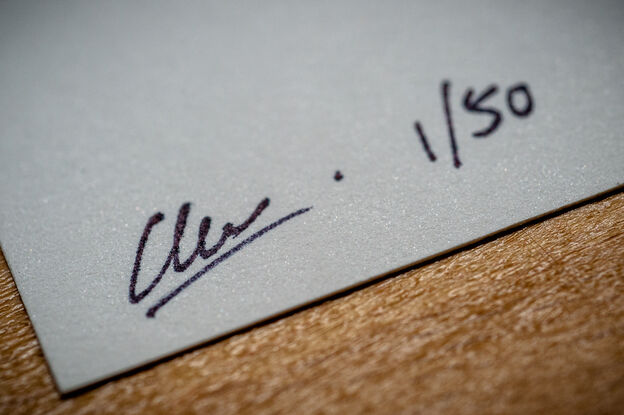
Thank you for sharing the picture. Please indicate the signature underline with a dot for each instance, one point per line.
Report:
(164, 300)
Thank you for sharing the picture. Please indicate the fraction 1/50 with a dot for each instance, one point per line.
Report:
(477, 105)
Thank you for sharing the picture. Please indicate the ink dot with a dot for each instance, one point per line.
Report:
(338, 176)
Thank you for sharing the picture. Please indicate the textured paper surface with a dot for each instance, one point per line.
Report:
(110, 113)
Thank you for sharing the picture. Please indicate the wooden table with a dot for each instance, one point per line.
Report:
(531, 321)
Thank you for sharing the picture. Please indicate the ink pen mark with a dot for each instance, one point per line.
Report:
(229, 230)
(478, 105)
(424, 141)
(475, 106)
(204, 227)
(528, 108)
(449, 122)
(164, 300)
(133, 296)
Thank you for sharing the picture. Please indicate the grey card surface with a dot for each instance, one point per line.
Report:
(174, 171)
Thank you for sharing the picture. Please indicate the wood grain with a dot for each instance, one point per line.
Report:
(529, 322)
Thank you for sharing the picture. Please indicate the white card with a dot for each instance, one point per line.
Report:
(131, 133)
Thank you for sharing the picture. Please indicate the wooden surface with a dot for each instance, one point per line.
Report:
(529, 322)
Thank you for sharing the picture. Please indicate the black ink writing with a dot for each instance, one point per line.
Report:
(446, 85)
(229, 231)
(523, 88)
(424, 141)
(477, 104)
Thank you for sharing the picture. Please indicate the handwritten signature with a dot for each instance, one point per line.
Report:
(229, 231)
